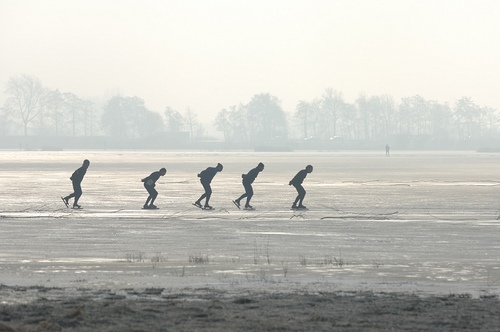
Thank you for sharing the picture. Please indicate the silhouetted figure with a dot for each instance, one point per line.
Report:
(247, 181)
(387, 148)
(206, 177)
(149, 184)
(76, 179)
(297, 183)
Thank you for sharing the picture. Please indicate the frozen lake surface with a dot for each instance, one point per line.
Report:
(423, 222)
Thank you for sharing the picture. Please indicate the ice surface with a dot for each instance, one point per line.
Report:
(423, 222)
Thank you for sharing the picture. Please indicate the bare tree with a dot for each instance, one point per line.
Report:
(5, 113)
(128, 117)
(332, 104)
(440, 118)
(88, 109)
(307, 116)
(26, 98)
(362, 105)
(174, 120)
(74, 107)
(191, 120)
(266, 118)
(55, 109)
(490, 120)
(467, 115)
(302, 114)
(222, 123)
(349, 121)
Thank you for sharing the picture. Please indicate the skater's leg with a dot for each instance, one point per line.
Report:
(149, 195)
(77, 197)
(302, 194)
(245, 194)
(248, 193)
(207, 194)
(77, 194)
(73, 194)
(300, 197)
(152, 195)
(198, 201)
(66, 199)
(241, 197)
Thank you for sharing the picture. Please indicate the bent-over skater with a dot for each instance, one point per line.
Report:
(247, 181)
(149, 184)
(297, 183)
(206, 177)
(76, 179)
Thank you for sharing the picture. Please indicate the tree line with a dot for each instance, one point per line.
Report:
(34, 110)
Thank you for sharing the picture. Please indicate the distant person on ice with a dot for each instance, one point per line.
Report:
(206, 177)
(149, 184)
(387, 148)
(247, 181)
(297, 183)
(76, 179)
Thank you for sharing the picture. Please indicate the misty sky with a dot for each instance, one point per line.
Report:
(211, 54)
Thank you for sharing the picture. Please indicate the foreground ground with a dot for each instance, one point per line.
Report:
(407, 242)
(212, 309)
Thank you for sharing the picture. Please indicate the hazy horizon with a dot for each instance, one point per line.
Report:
(209, 55)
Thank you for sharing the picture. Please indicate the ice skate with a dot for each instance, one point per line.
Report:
(65, 202)
(237, 204)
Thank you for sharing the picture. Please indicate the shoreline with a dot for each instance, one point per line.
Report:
(216, 309)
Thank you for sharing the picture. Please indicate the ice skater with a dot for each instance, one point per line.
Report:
(247, 181)
(76, 179)
(387, 149)
(149, 184)
(206, 177)
(297, 183)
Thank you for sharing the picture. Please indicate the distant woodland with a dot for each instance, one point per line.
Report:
(36, 117)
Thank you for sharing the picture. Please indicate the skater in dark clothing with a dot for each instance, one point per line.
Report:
(247, 181)
(77, 178)
(149, 184)
(297, 183)
(206, 177)
(387, 148)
